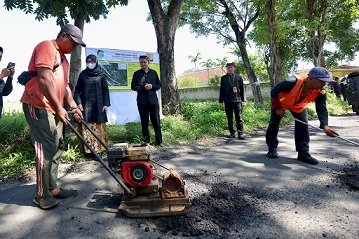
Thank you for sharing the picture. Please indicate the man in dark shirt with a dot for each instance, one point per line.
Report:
(5, 87)
(146, 82)
(232, 95)
(295, 94)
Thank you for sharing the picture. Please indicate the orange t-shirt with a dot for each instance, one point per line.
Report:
(46, 54)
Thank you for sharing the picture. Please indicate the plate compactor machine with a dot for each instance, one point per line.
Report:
(147, 193)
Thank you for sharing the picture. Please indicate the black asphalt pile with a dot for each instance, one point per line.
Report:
(350, 176)
(217, 207)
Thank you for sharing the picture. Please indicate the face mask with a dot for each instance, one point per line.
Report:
(91, 66)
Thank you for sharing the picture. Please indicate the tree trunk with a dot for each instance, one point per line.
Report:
(257, 94)
(75, 59)
(165, 26)
(316, 14)
(275, 66)
(240, 34)
(169, 93)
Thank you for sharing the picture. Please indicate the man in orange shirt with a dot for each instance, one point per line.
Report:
(294, 95)
(43, 104)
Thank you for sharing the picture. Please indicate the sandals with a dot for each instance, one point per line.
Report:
(66, 193)
(45, 202)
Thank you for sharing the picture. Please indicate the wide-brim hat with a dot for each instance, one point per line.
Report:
(320, 73)
(74, 32)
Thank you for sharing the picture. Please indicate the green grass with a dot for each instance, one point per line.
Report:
(200, 119)
(15, 148)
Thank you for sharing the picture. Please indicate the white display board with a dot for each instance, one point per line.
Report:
(124, 107)
(119, 65)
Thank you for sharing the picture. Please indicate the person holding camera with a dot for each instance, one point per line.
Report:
(5, 87)
(146, 82)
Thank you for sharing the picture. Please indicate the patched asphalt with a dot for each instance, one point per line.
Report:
(236, 192)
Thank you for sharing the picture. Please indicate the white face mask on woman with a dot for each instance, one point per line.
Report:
(91, 66)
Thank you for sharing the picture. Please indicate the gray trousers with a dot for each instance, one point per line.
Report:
(47, 138)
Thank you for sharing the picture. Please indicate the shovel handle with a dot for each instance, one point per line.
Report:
(337, 135)
(119, 180)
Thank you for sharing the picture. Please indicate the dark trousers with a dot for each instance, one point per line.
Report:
(150, 111)
(230, 108)
(301, 132)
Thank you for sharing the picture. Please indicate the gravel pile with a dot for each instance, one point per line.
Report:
(350, 176)
(217, 207)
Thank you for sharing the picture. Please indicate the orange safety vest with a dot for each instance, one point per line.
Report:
(295, 100)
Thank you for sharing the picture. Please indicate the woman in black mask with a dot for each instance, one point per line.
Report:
(93, 98)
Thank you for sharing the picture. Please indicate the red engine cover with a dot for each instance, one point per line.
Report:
(136, 173)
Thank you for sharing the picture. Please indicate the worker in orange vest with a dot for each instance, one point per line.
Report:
(294, 94)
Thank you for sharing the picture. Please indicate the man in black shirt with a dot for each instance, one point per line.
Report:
(232, 95)
(146, 82)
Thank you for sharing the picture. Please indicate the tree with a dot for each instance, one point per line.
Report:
(194, 59)
(236, 52)
(165, 24)
(258, 63)
(221, 63)
(330, 21)
(208, 64)
(230, 21)
(305, 29)
(343, 32)
(275, 71)
(291, 31)
(275, 34)
(79, 10)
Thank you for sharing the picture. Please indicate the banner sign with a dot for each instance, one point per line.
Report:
(119, 65)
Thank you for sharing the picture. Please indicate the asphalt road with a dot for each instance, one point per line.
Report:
(236, 192)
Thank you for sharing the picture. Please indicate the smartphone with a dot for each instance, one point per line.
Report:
(10, 65)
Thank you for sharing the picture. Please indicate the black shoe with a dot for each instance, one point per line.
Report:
(241, 136)
(146, 140)
(158, 141)
(307, 158)
(232, 136)
(272, 154)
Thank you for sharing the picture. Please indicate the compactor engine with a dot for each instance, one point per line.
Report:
(151, 193)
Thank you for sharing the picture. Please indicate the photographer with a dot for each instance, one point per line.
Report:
(5, 87)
